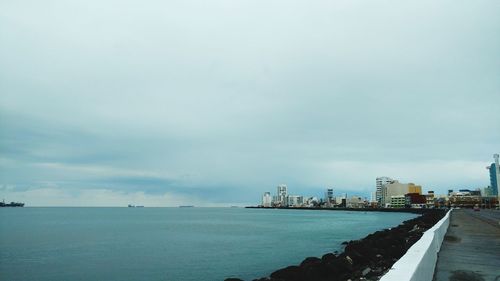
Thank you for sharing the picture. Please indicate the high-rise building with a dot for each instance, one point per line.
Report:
(495, 175)
(266, 199)
(329, 196)
(380, 182)
(281, 194)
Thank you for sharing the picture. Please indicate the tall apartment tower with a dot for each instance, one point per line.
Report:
(380, 182)
(266, 199)
(281, 194)
(495, 175)
(329, 196)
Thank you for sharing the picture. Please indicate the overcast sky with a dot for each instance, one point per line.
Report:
(162, 103)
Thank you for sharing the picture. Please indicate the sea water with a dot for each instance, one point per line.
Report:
(171, 244)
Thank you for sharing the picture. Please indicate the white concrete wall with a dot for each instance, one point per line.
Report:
(419, 262)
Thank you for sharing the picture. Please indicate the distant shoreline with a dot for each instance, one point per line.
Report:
(388, 210)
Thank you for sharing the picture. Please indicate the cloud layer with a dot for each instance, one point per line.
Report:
(215, 102)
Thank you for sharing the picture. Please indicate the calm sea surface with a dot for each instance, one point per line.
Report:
(174, 244)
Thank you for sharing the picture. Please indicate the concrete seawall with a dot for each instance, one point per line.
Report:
(419, 262)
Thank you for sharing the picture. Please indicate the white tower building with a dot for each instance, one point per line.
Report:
(281, 194)
(266, 199)
(380, 182)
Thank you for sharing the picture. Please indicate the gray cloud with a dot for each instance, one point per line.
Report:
(226, 99)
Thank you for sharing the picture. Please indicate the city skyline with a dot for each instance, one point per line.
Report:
(184, 103)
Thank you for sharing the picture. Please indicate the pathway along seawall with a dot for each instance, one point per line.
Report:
(365, 259)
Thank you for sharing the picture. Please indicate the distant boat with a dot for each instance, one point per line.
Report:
(186, 206)
(131, 206)
(11, 204)
(134, 206)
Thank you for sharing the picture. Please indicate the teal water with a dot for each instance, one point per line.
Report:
(171, 244)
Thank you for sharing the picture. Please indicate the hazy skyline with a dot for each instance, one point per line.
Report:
(164, 103)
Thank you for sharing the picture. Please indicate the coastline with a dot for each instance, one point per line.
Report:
(388, 210)
(365, 259)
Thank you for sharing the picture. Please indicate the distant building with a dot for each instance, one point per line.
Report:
(281, 194)
(396, 188)
(464, 200)
(415, 200)
(266, 199)
(442, 201)
(355, 202)
(429, 198)
(397, 201)
(311, 202)
(495, 175)
(476, 192)
(294, 201)
(381, 181)
(465, 192)
(488, 191)
(341, 200)
(329, 198)
(489, 202)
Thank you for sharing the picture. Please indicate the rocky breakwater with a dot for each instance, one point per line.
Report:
(365, 259)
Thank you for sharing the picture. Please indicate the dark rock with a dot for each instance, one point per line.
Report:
(328, 257)
(315, 272)
(309, 261)
(291, 273)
